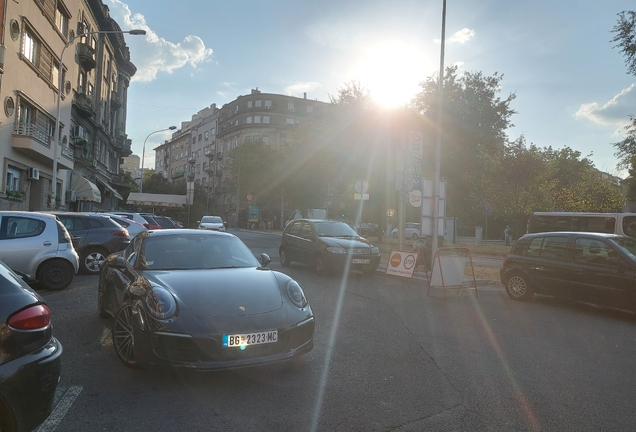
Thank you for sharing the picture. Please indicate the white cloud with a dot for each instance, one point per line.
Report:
(462, 36)
(298, 88)
(615, 112)
(153, 54)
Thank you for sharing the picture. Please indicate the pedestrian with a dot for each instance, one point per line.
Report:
(508, 235)
(380, 232)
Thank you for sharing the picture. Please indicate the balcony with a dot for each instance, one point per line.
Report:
(219, 155)
(84, 104)
(86, 56)
(37, 144)
(115, 101)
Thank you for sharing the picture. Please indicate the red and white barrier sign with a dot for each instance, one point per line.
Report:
(401, 264)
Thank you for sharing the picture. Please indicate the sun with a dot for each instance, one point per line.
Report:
(392, 72)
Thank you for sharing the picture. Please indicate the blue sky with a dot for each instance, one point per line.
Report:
(572, 86)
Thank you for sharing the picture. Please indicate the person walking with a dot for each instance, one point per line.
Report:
(508, 235)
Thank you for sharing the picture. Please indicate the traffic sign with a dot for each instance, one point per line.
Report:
(249, 197)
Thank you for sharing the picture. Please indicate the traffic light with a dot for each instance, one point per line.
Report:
(342, 214)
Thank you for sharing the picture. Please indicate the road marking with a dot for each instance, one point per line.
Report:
(60, 410)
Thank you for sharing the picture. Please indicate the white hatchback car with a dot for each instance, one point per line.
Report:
(411, 230)
(38, 247)
(212, 223)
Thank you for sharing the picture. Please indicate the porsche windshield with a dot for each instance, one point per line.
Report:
(195, 251)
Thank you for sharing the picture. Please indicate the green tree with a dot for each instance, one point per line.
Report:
(474, 124)
(625, 38)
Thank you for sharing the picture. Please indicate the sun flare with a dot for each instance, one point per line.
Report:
(392, 72)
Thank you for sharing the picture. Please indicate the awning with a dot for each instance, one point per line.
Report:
(112, 190)
(85, 190)
(159, 200)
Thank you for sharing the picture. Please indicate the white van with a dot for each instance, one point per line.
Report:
(611, 223)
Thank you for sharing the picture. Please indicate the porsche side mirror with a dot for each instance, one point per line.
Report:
(265, 259)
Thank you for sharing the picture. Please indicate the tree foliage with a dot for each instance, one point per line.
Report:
(625, 38)
(474, 124)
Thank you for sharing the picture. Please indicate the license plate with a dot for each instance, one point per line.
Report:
(360, 261)
(269, 336)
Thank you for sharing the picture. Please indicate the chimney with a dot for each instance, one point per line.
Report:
(305, 95)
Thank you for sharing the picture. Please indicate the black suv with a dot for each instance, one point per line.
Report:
(95, 237)
(325, 245)
(591, 267)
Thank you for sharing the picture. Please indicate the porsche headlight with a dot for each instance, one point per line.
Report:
(337, 250)
(296, 294)
(160, 303)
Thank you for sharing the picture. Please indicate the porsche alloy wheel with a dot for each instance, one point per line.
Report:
(123, 336)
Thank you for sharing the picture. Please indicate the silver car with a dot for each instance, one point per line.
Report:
(37, 246)
(212, 223)
(411, 230)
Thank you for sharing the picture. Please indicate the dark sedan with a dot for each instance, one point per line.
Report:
(327, 245)
(200, 299)
(30, 357)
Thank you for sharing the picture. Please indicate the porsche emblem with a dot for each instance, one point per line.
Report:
(242, 308)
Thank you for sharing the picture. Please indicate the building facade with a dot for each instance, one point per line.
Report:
(38, 36)
(198, 151)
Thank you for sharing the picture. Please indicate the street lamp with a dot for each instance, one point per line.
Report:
(143, 156)
(60, 74)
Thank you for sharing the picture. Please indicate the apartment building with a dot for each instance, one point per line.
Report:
(40, 40)
(198, 150)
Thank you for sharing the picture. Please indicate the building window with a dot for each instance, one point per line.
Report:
(268, 104)
(213, 131)
(249, 120)
(200, 136)
(30, 47)
(258, 104)
(206, 135)
(13, 179)
(249, 104)
(237, 108)
(265, 139)
(290, 106)
(257, 119)
(26, 113)
(290, 121)
(61, 20)
(266, 119)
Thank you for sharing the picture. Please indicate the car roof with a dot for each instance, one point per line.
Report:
(173, 232)
(570, 233)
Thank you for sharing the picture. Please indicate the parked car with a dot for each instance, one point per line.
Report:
(367, 229)
(97, 237)
(38, 247)
(412, 230)
(592, 267)
(211, 223)
(30, 357)
(327, 245)
(163, 221)
(148, 221)
(200, 299)
(133, 227)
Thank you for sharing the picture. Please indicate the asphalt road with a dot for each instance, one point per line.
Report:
(386, 358)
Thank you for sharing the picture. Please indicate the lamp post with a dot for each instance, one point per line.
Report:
(438, 140)
(59, 95)
(143, 156)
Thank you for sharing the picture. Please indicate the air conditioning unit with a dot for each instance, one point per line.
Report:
(33, 174)
(71, 195)
(94, 163)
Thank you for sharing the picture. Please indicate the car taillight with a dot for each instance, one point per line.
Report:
(31, 318)
(123, 233)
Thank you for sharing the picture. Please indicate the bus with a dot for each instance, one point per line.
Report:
(611, 223)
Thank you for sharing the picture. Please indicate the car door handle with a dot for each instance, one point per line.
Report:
(47, 243)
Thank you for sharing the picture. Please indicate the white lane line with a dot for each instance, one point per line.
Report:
(60, 410)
